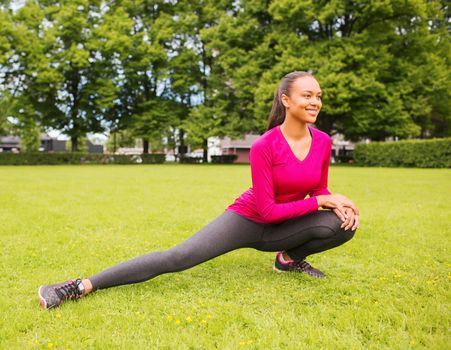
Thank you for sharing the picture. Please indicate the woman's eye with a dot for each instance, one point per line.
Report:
(307, 96)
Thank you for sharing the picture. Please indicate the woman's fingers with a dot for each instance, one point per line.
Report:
(356, 223)
(351, 205)
(340, 214)
(351, 220)
(345, 201)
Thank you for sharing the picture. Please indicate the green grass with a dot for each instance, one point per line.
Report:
(388, 288)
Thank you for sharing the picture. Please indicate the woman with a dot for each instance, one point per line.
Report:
(288, 162)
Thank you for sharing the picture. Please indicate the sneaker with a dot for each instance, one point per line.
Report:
(53, 295)
(296, 266)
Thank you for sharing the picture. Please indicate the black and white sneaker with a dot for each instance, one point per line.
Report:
(296, 266)
(54, 295)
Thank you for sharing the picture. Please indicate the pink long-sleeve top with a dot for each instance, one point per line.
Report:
(280, 181)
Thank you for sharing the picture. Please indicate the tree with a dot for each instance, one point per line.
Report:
(54, 56)
(371, 58)
(222, 34)
(142, 64)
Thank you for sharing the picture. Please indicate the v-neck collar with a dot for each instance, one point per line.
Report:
(291, 150)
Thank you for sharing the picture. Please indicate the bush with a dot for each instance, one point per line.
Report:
(434, 153)
(190, 160)
(153, 158)
(78, 158)
(224, 159)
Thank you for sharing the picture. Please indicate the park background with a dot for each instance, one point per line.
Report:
(171, 74)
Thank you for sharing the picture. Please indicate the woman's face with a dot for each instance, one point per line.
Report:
(304, 100)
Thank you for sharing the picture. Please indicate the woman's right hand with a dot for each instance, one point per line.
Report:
(338, 202)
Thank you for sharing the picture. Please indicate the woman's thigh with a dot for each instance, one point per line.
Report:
(294, 232)
(228, 232)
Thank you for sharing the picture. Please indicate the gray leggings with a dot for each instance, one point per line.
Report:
(299, 237)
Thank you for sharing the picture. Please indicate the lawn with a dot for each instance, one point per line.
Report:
(388, 288)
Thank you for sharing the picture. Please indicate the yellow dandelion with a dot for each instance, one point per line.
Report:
(208, 316)
(250, 341)
(412, 342)
(242, 343)
(169, 317)
(50, 345)
(203, 322)
(189, 319)
(177, 321)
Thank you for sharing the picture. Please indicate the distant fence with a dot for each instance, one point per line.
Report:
(434, 153)
(79, 158)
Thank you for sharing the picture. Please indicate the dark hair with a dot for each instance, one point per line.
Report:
(277, 115)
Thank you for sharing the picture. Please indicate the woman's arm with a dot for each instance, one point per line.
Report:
(263, 187)
(326, 199)
(322, 186)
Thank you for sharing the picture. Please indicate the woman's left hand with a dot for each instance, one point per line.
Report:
(352, 219)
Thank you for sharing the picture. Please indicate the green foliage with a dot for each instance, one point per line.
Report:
(388, 288)
(41, 158)
(209, 68)
(224, 159)
(30, 137)
(118, 139)
(184, 159)
(7, 106)
(435, 153)
(383, 65)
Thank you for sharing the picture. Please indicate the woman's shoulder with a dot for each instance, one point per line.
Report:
(267, 139)
(321, 135)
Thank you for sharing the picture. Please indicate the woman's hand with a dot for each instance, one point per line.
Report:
(338, 202)
(352, 220)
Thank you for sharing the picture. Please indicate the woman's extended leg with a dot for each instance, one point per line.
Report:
(227, 232)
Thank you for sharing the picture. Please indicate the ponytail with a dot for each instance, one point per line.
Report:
(278, 113)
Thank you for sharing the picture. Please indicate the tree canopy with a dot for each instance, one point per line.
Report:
(193, 69)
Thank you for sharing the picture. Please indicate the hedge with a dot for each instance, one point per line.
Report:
(78, 158)
(224, 159)
(433, 153)
(190, 160)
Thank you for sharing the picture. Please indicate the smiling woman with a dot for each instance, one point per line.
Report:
(288, 163)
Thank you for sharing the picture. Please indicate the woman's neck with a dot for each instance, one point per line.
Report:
(294, 129)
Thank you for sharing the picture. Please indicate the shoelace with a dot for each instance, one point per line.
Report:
(69, 290)
(303, 265)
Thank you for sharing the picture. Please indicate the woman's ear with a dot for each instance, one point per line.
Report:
(285, 100)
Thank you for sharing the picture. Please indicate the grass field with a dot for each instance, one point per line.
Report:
(388, 288)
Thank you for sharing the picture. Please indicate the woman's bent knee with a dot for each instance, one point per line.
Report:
(334, 223)
(347, 235)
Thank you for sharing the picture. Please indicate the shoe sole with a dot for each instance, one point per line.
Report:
(312, 276)
(42, 301)
(277, 270)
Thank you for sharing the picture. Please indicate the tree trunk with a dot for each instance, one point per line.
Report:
(182, 142)
(74, 143)
(205, 155)
(145, 146)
